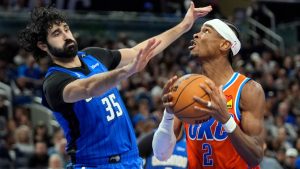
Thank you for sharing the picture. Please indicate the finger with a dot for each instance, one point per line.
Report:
(149, 44)
(169, 104)
(201, 13)
(192, 6)
(149, 56)
(167, 97)
(151, 48)
(204, 9)
(202, 110)
(222, 93)
(210, 84)
(200, 101)
(139, 54)
(169, 84)
(155, 45)
(206, 89)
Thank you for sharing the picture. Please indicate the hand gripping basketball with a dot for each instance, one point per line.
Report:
(180, 101)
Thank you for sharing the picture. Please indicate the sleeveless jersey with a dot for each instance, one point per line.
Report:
(178, 160)
(98, 127)
(208, 145)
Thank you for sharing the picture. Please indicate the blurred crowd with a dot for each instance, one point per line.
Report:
(159, 7)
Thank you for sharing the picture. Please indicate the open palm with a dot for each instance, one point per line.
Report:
(193, 14)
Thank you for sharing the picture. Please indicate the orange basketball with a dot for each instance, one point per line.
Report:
(183, 91)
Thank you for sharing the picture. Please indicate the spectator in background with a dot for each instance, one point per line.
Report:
(8, 153)
(29, 76)
(39, 160)
(281, 156)
(22, 116)
(24, 145)
(258, 12)
(55, 162)
(3, 107)
(59, 149)
(40, 134)
(291, 156)
(24, 140)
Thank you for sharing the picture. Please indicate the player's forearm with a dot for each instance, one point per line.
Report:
(95, 85)
(164, 138)
(249, 148)
(166, 38)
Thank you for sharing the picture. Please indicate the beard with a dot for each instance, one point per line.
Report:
(67, 51)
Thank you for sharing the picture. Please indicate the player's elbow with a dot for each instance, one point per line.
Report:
(161, 156)
(163, 144)
(256, 160)
(162, 153)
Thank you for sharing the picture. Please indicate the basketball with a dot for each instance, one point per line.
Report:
(183, 91)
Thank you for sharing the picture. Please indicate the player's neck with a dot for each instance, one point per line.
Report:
(68, 62)
(219, 70)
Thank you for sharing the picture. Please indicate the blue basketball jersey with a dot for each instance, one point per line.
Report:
(178, 160)
(101, 126)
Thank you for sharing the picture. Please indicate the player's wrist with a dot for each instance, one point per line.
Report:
(168, 115)
(230, 125)
(167, 121)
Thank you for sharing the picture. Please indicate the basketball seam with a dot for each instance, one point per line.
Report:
(183, 90)
(187, 105)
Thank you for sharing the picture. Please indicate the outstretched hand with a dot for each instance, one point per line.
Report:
(143, 57)
(193, 14)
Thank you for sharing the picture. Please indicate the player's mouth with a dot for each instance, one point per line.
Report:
(70, 44)
(192, 45)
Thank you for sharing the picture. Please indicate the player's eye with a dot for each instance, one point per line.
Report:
(56, 33)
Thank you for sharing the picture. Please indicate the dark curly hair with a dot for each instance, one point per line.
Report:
(42, 20)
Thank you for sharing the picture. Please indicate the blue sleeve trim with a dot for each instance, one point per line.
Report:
(237, 102)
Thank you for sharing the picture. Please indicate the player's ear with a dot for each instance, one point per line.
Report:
(42, 46)
(225, 45)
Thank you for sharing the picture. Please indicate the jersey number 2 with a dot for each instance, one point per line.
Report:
(207, 158)
(112, 107)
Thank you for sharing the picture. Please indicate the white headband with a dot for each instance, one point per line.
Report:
(226, 32)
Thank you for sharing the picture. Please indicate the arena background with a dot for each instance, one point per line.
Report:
(270, 54)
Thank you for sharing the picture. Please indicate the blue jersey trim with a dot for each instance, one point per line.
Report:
(232, 79)
(237, 99)
(55, 68)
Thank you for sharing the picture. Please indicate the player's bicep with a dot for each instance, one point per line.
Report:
(252, 105)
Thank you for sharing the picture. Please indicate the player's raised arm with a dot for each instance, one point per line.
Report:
(164, 138)
(99, 83)
(169, 36)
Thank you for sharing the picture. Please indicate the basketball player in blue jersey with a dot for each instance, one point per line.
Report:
(80, 87)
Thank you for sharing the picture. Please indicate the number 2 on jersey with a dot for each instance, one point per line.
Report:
(207, 155)
(111, 107)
